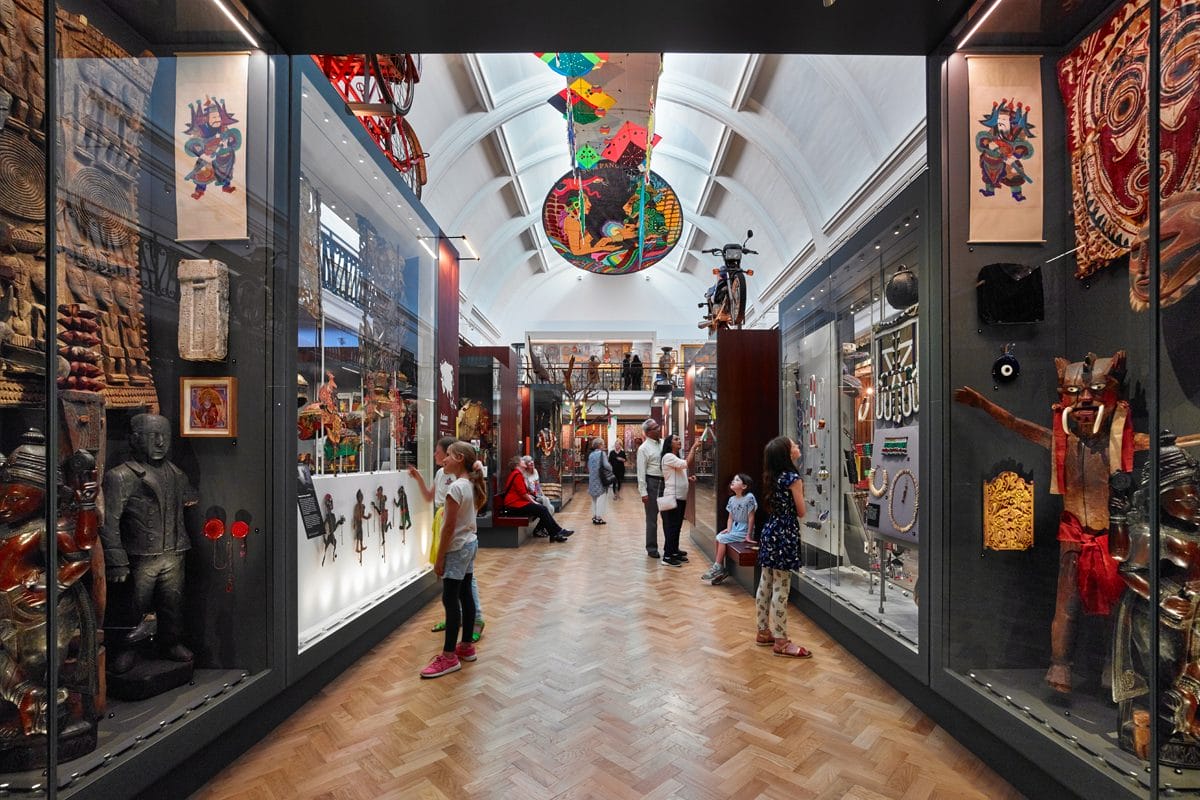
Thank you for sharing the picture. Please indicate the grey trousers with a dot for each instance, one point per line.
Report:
(158, 587)
(654, 487)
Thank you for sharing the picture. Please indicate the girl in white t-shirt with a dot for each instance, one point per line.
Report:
(437, 495)
(455, 561)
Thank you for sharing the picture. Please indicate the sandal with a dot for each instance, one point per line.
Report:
(478, 633)
(438, 628)
(789, 649)
(764, 639)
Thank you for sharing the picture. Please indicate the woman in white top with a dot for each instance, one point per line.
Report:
(455, 562)
(675, 485)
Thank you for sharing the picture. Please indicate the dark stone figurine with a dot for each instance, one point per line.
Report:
(144, 543)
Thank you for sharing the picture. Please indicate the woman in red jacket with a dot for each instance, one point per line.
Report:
(519, 502)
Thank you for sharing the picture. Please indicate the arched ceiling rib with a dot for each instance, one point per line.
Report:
(798, 148)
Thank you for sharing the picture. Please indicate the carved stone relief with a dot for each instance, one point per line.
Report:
(203, 309)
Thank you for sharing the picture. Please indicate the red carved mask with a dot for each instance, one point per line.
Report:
(1089, 391)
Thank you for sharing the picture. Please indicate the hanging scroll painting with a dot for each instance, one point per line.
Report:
(1005, 104)
(210, 137)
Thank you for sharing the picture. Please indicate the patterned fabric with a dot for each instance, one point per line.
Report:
(779, 545)
(1103, 83)
(771, 601)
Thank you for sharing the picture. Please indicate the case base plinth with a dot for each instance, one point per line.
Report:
(77, 740)
(149, 677)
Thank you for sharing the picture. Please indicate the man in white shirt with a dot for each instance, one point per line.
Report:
(650, 480)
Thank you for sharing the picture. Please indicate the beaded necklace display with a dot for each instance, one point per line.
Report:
(916, 501)
(879, 491)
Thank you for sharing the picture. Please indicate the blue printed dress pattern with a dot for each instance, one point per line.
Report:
(779, 546)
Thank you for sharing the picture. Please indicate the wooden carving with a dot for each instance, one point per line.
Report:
(1008, 512)
(105, 94)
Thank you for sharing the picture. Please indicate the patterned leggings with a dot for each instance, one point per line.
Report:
(771, 602)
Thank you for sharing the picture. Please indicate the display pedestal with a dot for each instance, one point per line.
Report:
(748, 388)
(78, 739)
(149, 677)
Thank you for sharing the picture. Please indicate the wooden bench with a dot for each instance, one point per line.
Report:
(506, 530)
(743, 554)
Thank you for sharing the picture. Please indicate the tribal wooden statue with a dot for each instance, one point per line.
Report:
(1090, 438)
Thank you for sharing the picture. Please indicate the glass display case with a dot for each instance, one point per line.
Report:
(365, 360)
(140, 221)
(545, 439)
(1067, 546)
(479, 415)
(700, 396)
(850, 400)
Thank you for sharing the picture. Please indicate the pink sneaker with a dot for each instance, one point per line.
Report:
(441, 664)
(464, 651)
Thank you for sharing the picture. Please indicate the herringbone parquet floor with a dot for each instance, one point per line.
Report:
(603, 674)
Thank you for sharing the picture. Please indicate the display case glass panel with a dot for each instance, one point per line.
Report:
(165, 228)
(850, 377)
(479, 419)
(700, 394)
(1053, 512)
(365, 357)
(547, 430)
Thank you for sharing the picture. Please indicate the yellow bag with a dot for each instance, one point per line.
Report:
(439, 516)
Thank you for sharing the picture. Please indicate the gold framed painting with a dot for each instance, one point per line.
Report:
(208, 407)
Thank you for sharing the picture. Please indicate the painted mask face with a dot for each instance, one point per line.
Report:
(1088, 393)
(1179, 253)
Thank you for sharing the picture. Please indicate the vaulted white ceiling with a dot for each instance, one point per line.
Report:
(800, 148)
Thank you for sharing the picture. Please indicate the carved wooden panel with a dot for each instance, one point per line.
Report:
(104, 100)
(1008, 512)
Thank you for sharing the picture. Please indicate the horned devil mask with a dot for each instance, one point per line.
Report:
(1089, 391)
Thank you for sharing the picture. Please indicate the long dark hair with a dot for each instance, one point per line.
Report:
(667, 443)
(777, 459)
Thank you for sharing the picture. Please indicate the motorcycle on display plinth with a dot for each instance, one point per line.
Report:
(726, 300)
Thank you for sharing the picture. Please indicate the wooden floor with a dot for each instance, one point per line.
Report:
(604, 674)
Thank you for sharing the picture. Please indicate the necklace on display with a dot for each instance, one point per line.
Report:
(879, 491)
(916, 503)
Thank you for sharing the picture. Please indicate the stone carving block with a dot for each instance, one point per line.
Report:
(203, 309)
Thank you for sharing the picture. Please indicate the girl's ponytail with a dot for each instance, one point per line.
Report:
(474, 470)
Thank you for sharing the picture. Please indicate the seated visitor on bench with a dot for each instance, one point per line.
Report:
(519, 502)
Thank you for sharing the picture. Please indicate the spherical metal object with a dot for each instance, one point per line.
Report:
(901, 289)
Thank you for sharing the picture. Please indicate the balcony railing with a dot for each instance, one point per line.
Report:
(603, 377)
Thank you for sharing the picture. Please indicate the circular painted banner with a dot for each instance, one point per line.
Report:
(606, 220)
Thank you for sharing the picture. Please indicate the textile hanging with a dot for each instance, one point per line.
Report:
(1005, 104)
(1104, 88)
(210, 138)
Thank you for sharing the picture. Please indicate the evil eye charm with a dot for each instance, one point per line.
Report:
(1006, 368)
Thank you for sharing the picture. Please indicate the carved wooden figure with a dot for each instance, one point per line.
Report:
(1090, 438)
(203, 309)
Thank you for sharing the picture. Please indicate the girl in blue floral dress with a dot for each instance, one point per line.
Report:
(779, 545)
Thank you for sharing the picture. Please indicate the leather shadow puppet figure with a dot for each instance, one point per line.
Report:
(1091, 437)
